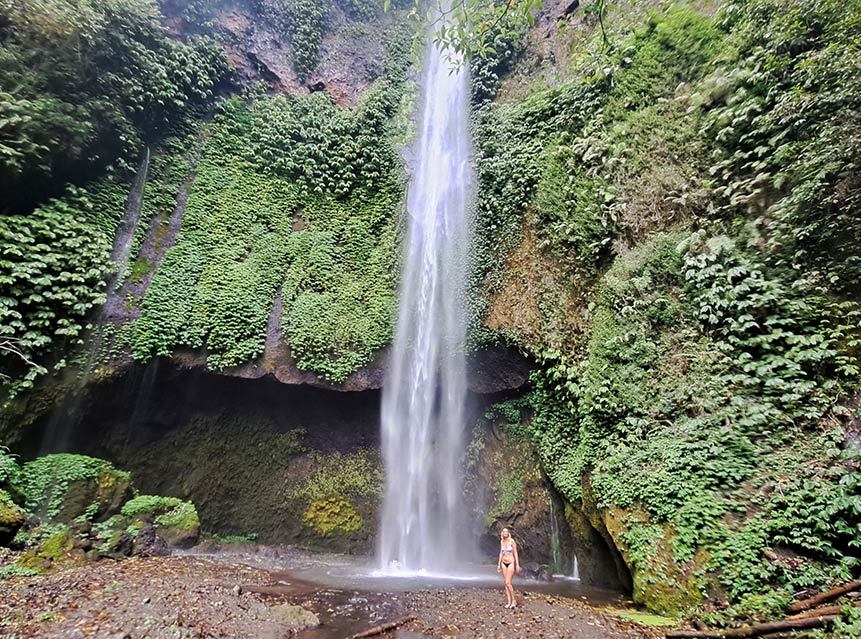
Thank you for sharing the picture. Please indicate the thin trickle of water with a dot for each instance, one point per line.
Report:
(125, 234)
(555, 551)
(57, 433)
(425, 389)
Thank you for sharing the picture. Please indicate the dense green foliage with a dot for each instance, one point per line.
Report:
(44, 482)
(69, 106)
(691, 196)
(69, 109)
(52, 275)
(293, 197)
(699, 183)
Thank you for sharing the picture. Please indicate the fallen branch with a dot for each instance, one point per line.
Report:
(830, 610)
(806, 604)
(383, 627)
(756, 630)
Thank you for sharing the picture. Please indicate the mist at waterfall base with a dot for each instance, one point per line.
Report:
(424, 520)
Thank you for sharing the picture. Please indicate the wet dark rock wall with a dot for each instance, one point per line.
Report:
(297, 464)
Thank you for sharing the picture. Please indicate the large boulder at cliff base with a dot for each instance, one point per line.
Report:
(63, 487)
(174, 520)
(11, 518)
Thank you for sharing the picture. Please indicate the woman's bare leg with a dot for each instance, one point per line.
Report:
(508, 573)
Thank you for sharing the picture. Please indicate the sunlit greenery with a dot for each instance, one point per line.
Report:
(293, 197)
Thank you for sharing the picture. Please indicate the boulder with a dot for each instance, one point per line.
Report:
(173, 519)
(293, 617)
(149, 544)
(59, 549)
(63, 487)
(11, 518)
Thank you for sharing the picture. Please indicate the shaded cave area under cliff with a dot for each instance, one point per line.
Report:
(296, 464)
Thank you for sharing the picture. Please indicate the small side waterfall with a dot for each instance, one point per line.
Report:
(555, 550)
(121, 253)
(56, 435)
(425, 389)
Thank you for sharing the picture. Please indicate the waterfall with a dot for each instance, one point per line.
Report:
(555, 551)
(425, 388)
(58, 431)
(121, 253)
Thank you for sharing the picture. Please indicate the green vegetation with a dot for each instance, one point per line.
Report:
(692, 191)
(332, 516)
(73, 124)
(303, 23)
(293, 196)
(148, 504)
(11, 517)
(70, 107)
(14, 570)
(354, 475)
(233, 539)
(64, 485)
(641, 617)
(672, 235)
(174, 519)
(58, 549)
(54, 267)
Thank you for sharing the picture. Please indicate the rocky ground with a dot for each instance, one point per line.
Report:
(480, 614)
(185, 597)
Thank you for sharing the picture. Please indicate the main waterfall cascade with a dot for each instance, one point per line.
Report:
(423, 411)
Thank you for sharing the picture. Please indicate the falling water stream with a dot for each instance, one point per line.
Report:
(425, 389)
(61, 424)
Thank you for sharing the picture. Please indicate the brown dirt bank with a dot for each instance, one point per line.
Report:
(183, 597)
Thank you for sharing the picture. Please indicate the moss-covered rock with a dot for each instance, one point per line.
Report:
(11, 518)
(63, 487)
(660, 583)
(332, 517)
(174, 520)
(59, 549)
(505, 488)
(293, 617)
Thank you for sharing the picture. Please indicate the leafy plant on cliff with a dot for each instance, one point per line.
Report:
(335, 475)
(54, 265)
(294, 198)
(45, 481)
(696, 397)
(303, 22)
(68, 102)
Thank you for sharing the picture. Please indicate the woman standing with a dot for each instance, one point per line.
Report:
(509, 563)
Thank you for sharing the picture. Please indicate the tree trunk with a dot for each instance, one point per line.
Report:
(383, 627)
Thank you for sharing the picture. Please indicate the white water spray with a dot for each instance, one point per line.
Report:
(425, 389)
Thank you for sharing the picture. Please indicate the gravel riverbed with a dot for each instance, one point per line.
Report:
(196, 597)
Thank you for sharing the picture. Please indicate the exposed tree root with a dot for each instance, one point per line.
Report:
(822, 597)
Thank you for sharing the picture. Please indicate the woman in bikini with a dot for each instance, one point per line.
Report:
(509, 563)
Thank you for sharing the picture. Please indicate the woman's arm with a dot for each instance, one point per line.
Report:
(516, 558)
(499, 561)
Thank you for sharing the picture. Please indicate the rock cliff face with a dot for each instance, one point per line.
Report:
(293, 463)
